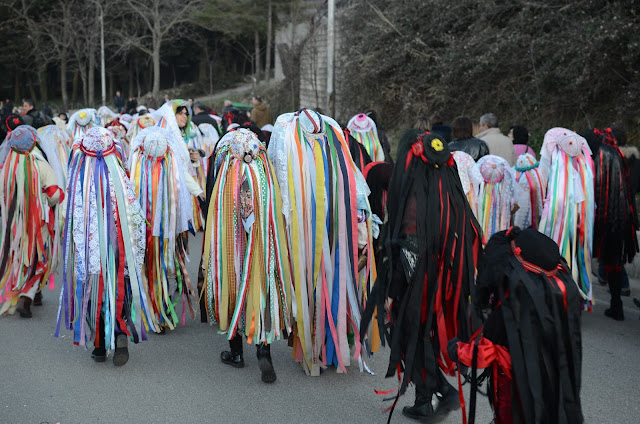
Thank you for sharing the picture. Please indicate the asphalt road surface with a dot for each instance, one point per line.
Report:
(178, 377)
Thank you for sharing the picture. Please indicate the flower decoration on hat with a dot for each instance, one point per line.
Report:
(437, 145)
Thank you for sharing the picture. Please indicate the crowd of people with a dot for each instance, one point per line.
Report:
(469, 251)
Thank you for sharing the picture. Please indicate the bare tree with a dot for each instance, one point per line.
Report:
(157, 18)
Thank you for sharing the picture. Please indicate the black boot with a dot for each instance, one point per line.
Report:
(24, 307)
(99, 354)
(448, 399)
(422, 410)
(234, 356)
(37, 300)
(263, 351)
(121, 356)
(615, 311)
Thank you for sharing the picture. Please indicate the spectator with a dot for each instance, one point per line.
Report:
(200, 116)
(166, 97)
(7, 107)
(422, 124)
(64, 117)
(118, 101)
(498, 143)
(463, 141)
(520, 138)
(47, 111)
(438, 127)
(131, 106)
(260, 114)
(228, 106)
(32, 116)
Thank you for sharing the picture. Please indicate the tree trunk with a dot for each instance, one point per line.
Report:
(83, 78)
(138, 79)
(267, 66)
(74, 88)
(157, 43)
(16, 89)
(202, 66)
(130, 78)
(42, 77)
(256, 61)
(92, 75)
(63, 82)
(32, 91)
(173, 71)
(111, 85)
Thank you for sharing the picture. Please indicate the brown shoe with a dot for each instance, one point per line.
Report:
(37, 300)
(24, 307)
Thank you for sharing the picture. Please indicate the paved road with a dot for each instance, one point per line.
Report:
(178, 378)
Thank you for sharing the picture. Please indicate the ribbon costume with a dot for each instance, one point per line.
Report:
(248, 288)
(431, 245)
(81, 122)
(103, 298)
(140, 123)
(324, 195)
(498, 193)
(364, 130)
(120, 133)
(470, 178)
(532, 178)
(530, 343)
(157, 176)
(29, 191)
(166, 117)
(569, 208)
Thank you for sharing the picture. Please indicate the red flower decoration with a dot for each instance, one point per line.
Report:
(16, 121)
(417, 148)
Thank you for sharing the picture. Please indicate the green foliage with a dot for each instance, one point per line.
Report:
(536, 63)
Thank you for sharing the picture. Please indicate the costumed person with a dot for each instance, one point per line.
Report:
(231, 116)
(106, 115)
(138, 124)
(614, 235)
(120, 133)
(364, 130)
(29, 190)
(53, 138)
(103, 298)
(498, 195)
(175, 115)
(158, 179)
(470, 177)
(328, 223)
(530, 344)
(248, 288)
(532, 178)
(569, 206)
(378, 176)
(431, 246)
(382, 136)
(358, 152)
(210, 137)
(59, 137)
(82, 121)
(12, 121)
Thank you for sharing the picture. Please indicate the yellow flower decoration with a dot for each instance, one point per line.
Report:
(436, 144)
(82, 115)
